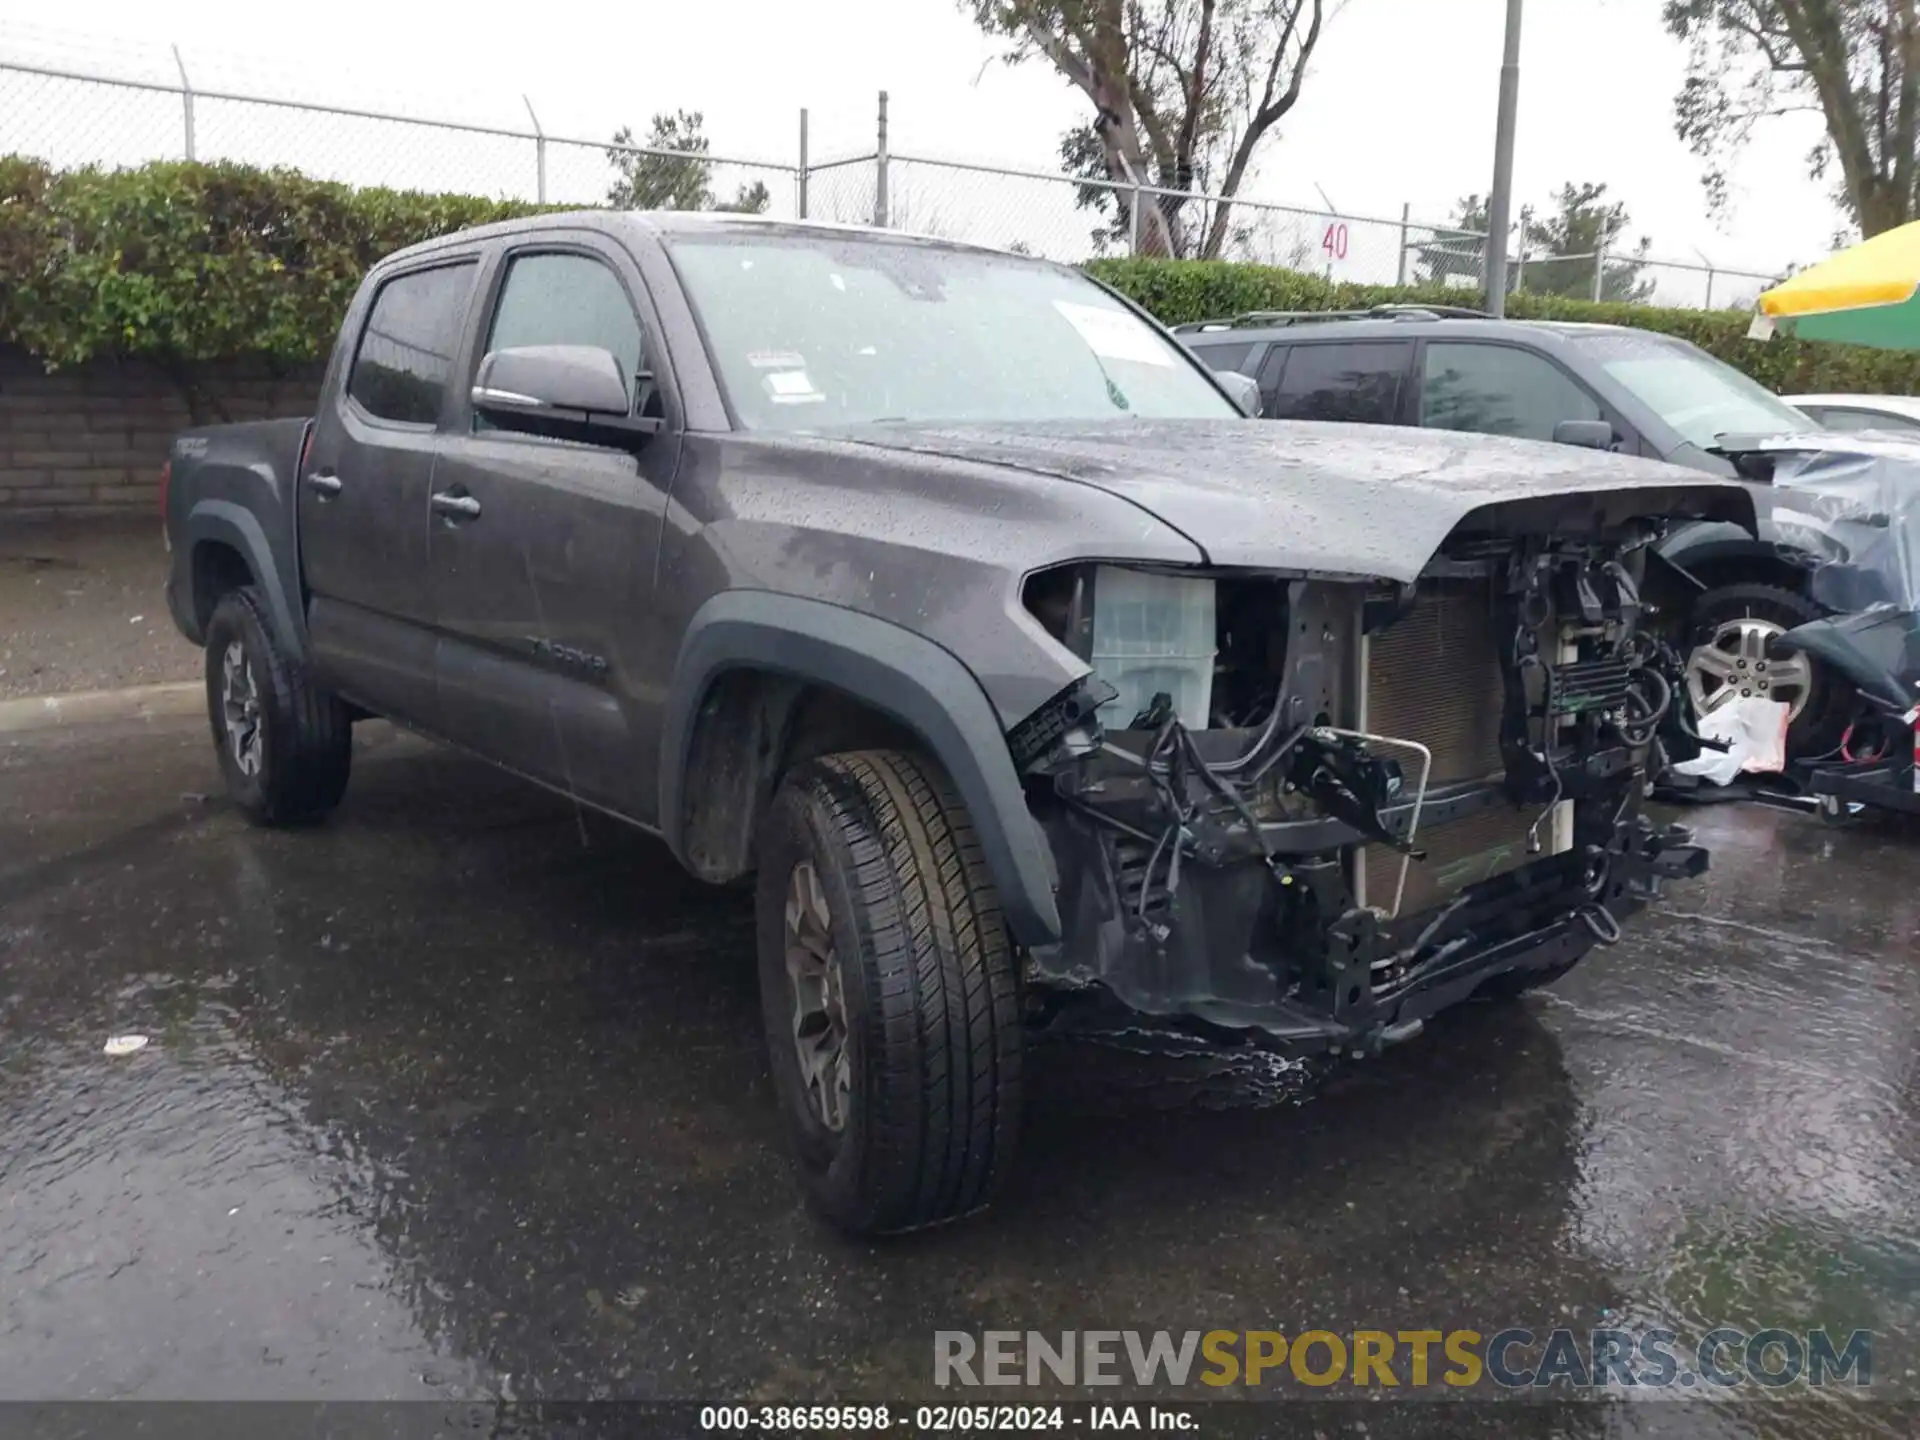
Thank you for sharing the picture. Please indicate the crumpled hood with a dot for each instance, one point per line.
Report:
(1359, 500)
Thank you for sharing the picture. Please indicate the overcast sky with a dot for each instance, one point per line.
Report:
(1398, 107)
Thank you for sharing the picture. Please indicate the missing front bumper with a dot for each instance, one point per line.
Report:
(1280, 950)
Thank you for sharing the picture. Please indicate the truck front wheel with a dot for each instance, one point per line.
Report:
(285, 745)
(889, 992)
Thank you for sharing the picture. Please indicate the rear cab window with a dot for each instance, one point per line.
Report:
(405, 355)
(1360, 382)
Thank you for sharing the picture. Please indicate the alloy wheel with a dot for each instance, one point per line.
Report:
(819, 1004)
(1733, 662)
(240, 709)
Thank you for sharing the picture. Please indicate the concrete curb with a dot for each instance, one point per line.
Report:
(92, 707)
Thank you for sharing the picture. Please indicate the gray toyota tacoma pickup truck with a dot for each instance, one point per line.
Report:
(946, 595)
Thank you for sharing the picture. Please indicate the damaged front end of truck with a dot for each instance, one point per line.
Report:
(1316, 810)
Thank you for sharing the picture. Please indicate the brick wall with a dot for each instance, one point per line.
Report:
(90, 441)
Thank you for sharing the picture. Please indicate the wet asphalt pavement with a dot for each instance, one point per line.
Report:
(84, 608)
(462, 1095)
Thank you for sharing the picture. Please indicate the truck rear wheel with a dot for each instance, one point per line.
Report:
(285, 745)
(889, 992)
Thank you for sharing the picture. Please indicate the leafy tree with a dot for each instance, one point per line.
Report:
(1082, 154)
(1560, 243)
(1855, 63)
(1456, 252)
(1578, 223)
(1183, 93)
(646, 179)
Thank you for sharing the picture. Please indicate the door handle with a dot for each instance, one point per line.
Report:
(324, 483)
(465, 506)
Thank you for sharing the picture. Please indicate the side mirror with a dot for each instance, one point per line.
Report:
(566, 392)
(1243, 390)
(1587, 434)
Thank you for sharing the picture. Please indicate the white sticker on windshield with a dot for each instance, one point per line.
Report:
(1114, 334)
(791, 387)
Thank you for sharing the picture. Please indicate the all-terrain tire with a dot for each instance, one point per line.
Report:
(1817, 729)
(298, 771)
(928, 979)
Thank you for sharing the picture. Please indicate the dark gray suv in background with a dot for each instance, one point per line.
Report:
(1605, 386)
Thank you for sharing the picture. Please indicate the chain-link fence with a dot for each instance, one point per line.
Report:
(843, 191)
(1066, 218)
(70, 117)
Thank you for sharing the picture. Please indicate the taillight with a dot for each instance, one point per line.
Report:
(1912, 717)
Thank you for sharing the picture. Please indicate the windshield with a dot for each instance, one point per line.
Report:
(1693, 392)
(810, 331)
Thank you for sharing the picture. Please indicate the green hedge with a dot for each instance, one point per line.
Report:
(1178, 291)
(182, 262)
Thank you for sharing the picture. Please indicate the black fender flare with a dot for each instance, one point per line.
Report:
(228, 523)
(907, 676)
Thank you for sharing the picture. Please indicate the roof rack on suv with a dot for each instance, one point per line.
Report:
(1310, 317)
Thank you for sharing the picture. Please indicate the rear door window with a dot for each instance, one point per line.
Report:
(1498, 390)
(405, 356)
(1360, 382)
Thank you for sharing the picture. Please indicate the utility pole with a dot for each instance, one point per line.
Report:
(800, 175)
(186, 102)
(539, 153)
(1500, 203)
(881, 200)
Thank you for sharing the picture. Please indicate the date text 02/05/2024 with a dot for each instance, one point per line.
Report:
(941, 1419)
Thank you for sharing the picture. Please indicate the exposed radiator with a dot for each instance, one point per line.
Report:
(1434, 676)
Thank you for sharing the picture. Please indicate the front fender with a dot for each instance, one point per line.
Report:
(1706, 542)
(906, 676)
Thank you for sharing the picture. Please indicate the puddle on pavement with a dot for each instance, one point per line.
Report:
(463, 1095)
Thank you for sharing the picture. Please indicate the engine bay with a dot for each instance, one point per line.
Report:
(1387, 784)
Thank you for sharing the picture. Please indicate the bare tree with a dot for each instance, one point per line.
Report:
(1855, 63)
(1183, 92)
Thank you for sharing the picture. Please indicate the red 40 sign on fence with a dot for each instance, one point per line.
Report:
(1334, 242)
